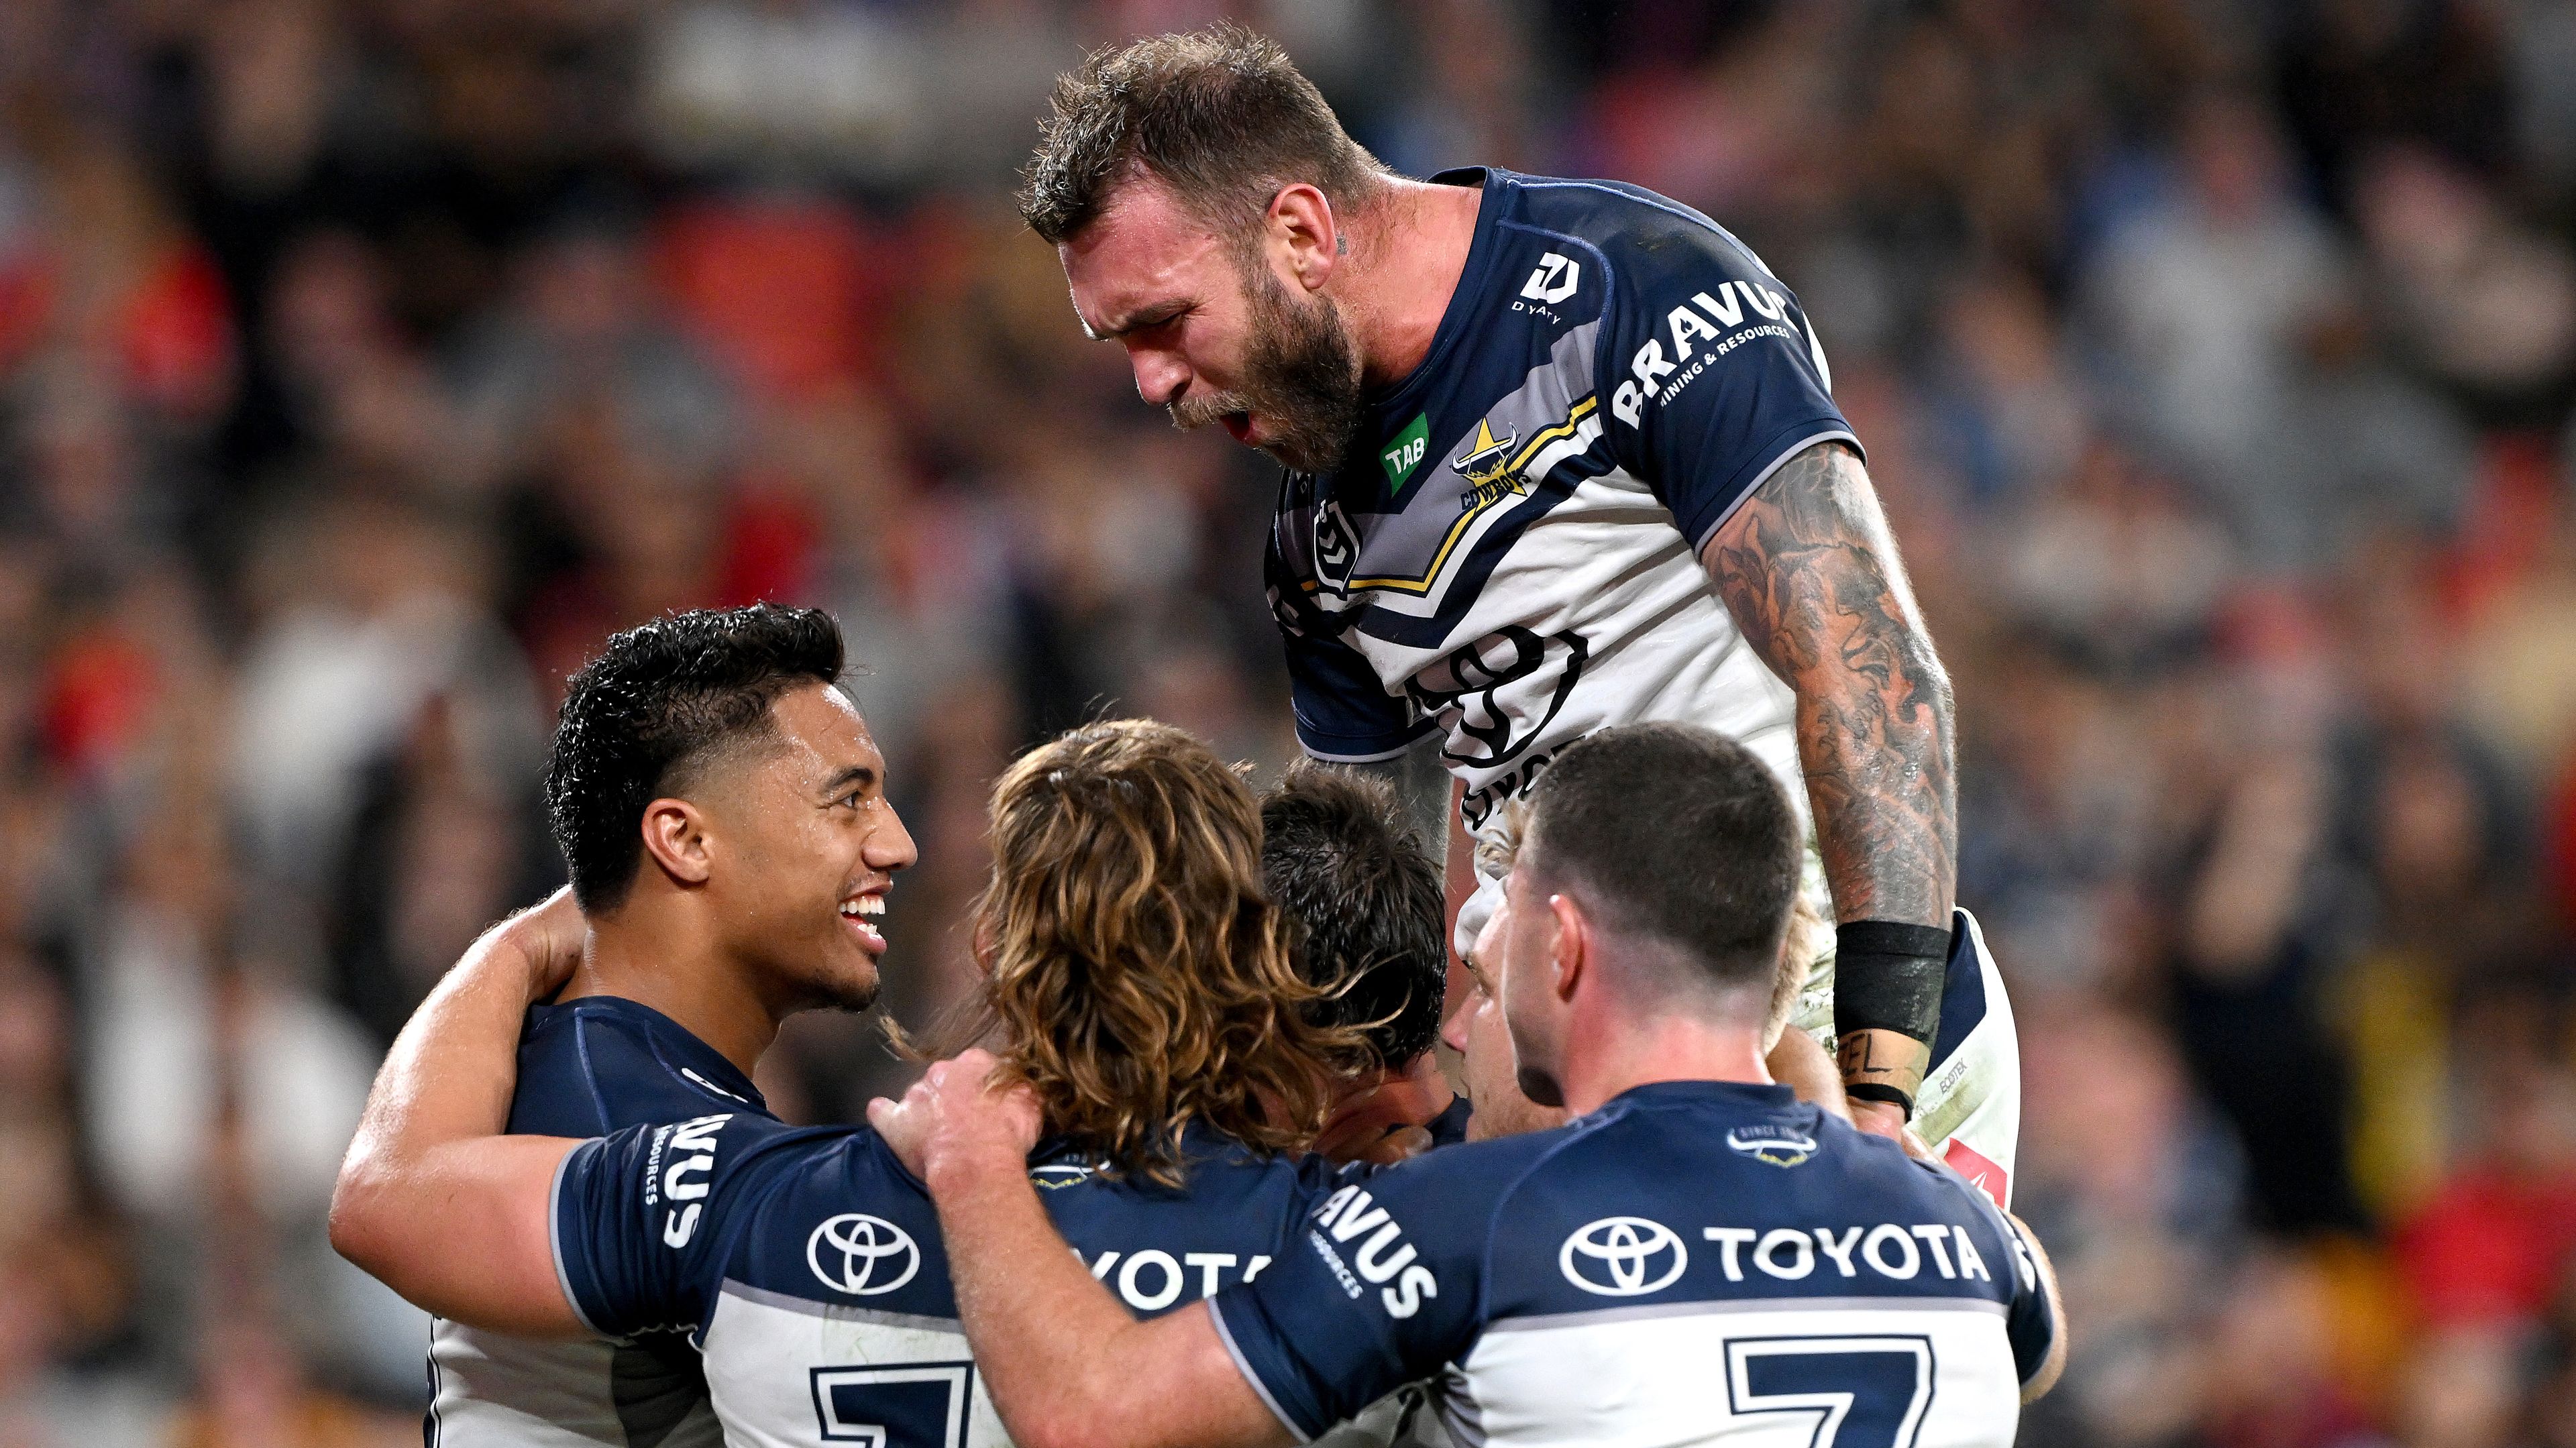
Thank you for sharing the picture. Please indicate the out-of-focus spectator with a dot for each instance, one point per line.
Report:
(832, 88)
(583, 343)
(373, 608)
(2492, 1245)
(2206, 303)
(2486, 305)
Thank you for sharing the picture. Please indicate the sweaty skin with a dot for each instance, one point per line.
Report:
(433, 1200)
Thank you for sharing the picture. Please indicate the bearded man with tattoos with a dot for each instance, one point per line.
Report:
(1560, 455)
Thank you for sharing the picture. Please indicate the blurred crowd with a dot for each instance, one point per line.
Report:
(363, 363)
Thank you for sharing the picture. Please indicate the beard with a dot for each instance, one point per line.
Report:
(1301, 377)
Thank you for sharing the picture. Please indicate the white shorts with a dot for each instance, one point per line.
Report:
(1969, 1111)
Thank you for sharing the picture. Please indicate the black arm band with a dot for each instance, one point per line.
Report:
(1887, 977)
(1872, 1091)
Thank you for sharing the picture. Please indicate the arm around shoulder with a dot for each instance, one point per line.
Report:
(1066, 1364)
(432, 1199)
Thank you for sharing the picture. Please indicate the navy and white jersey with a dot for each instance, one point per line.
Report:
(808, 1266)
(588, 1067)
(1696, 1262)
(1510, 557)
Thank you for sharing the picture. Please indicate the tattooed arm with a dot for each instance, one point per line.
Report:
(1809, 570)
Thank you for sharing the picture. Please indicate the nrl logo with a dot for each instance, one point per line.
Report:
(1774, 1145)
(1487, 467)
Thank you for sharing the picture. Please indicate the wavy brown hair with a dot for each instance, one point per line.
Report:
(1137, 977)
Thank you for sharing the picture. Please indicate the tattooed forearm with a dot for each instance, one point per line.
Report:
(1811, 574)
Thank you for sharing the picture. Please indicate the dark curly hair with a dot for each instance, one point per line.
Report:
(642, 720)
(1217, 114)
(1339, 858)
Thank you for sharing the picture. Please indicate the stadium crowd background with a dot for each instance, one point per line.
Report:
(363, 363)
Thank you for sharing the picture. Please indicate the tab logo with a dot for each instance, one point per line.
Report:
(1555, 280)
(1622, 1257)
(1403, 455)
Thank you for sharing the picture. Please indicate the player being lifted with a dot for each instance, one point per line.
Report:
(1561, 455)
(1696, 1258)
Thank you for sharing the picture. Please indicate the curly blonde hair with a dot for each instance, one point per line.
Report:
(1137, 977)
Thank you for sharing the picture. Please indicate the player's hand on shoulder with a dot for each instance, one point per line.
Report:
(959, 1119)
(546, 941)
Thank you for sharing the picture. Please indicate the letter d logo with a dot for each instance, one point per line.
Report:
(1555, 280)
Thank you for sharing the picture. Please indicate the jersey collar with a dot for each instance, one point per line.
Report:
(672, 1042)
(1459, 317)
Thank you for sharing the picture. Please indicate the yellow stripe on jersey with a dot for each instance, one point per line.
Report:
(1574, 416)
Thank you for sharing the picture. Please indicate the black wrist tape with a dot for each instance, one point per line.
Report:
(1887, 977)
(1872, 1091)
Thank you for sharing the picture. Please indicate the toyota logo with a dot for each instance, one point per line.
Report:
(862, 1255)
(1622, 1257)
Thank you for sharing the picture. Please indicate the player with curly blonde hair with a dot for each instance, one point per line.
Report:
(1136, 975)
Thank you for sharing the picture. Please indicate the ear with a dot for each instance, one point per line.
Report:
(1304, 237)
(675, 837)
(1573, 947)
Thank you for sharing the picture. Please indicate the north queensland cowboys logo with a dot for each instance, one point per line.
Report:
(1777, 1145)
(1622, 1257)
(862, 1255)
(1488, 458)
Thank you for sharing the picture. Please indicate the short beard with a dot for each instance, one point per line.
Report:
(1301, 375)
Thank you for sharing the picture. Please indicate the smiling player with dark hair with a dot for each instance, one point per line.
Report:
(721, 806)
(1560, 455)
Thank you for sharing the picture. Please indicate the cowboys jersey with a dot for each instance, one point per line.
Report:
(1697, 1262)
(1510, 557)
(588, 1067)
(808, 1267)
